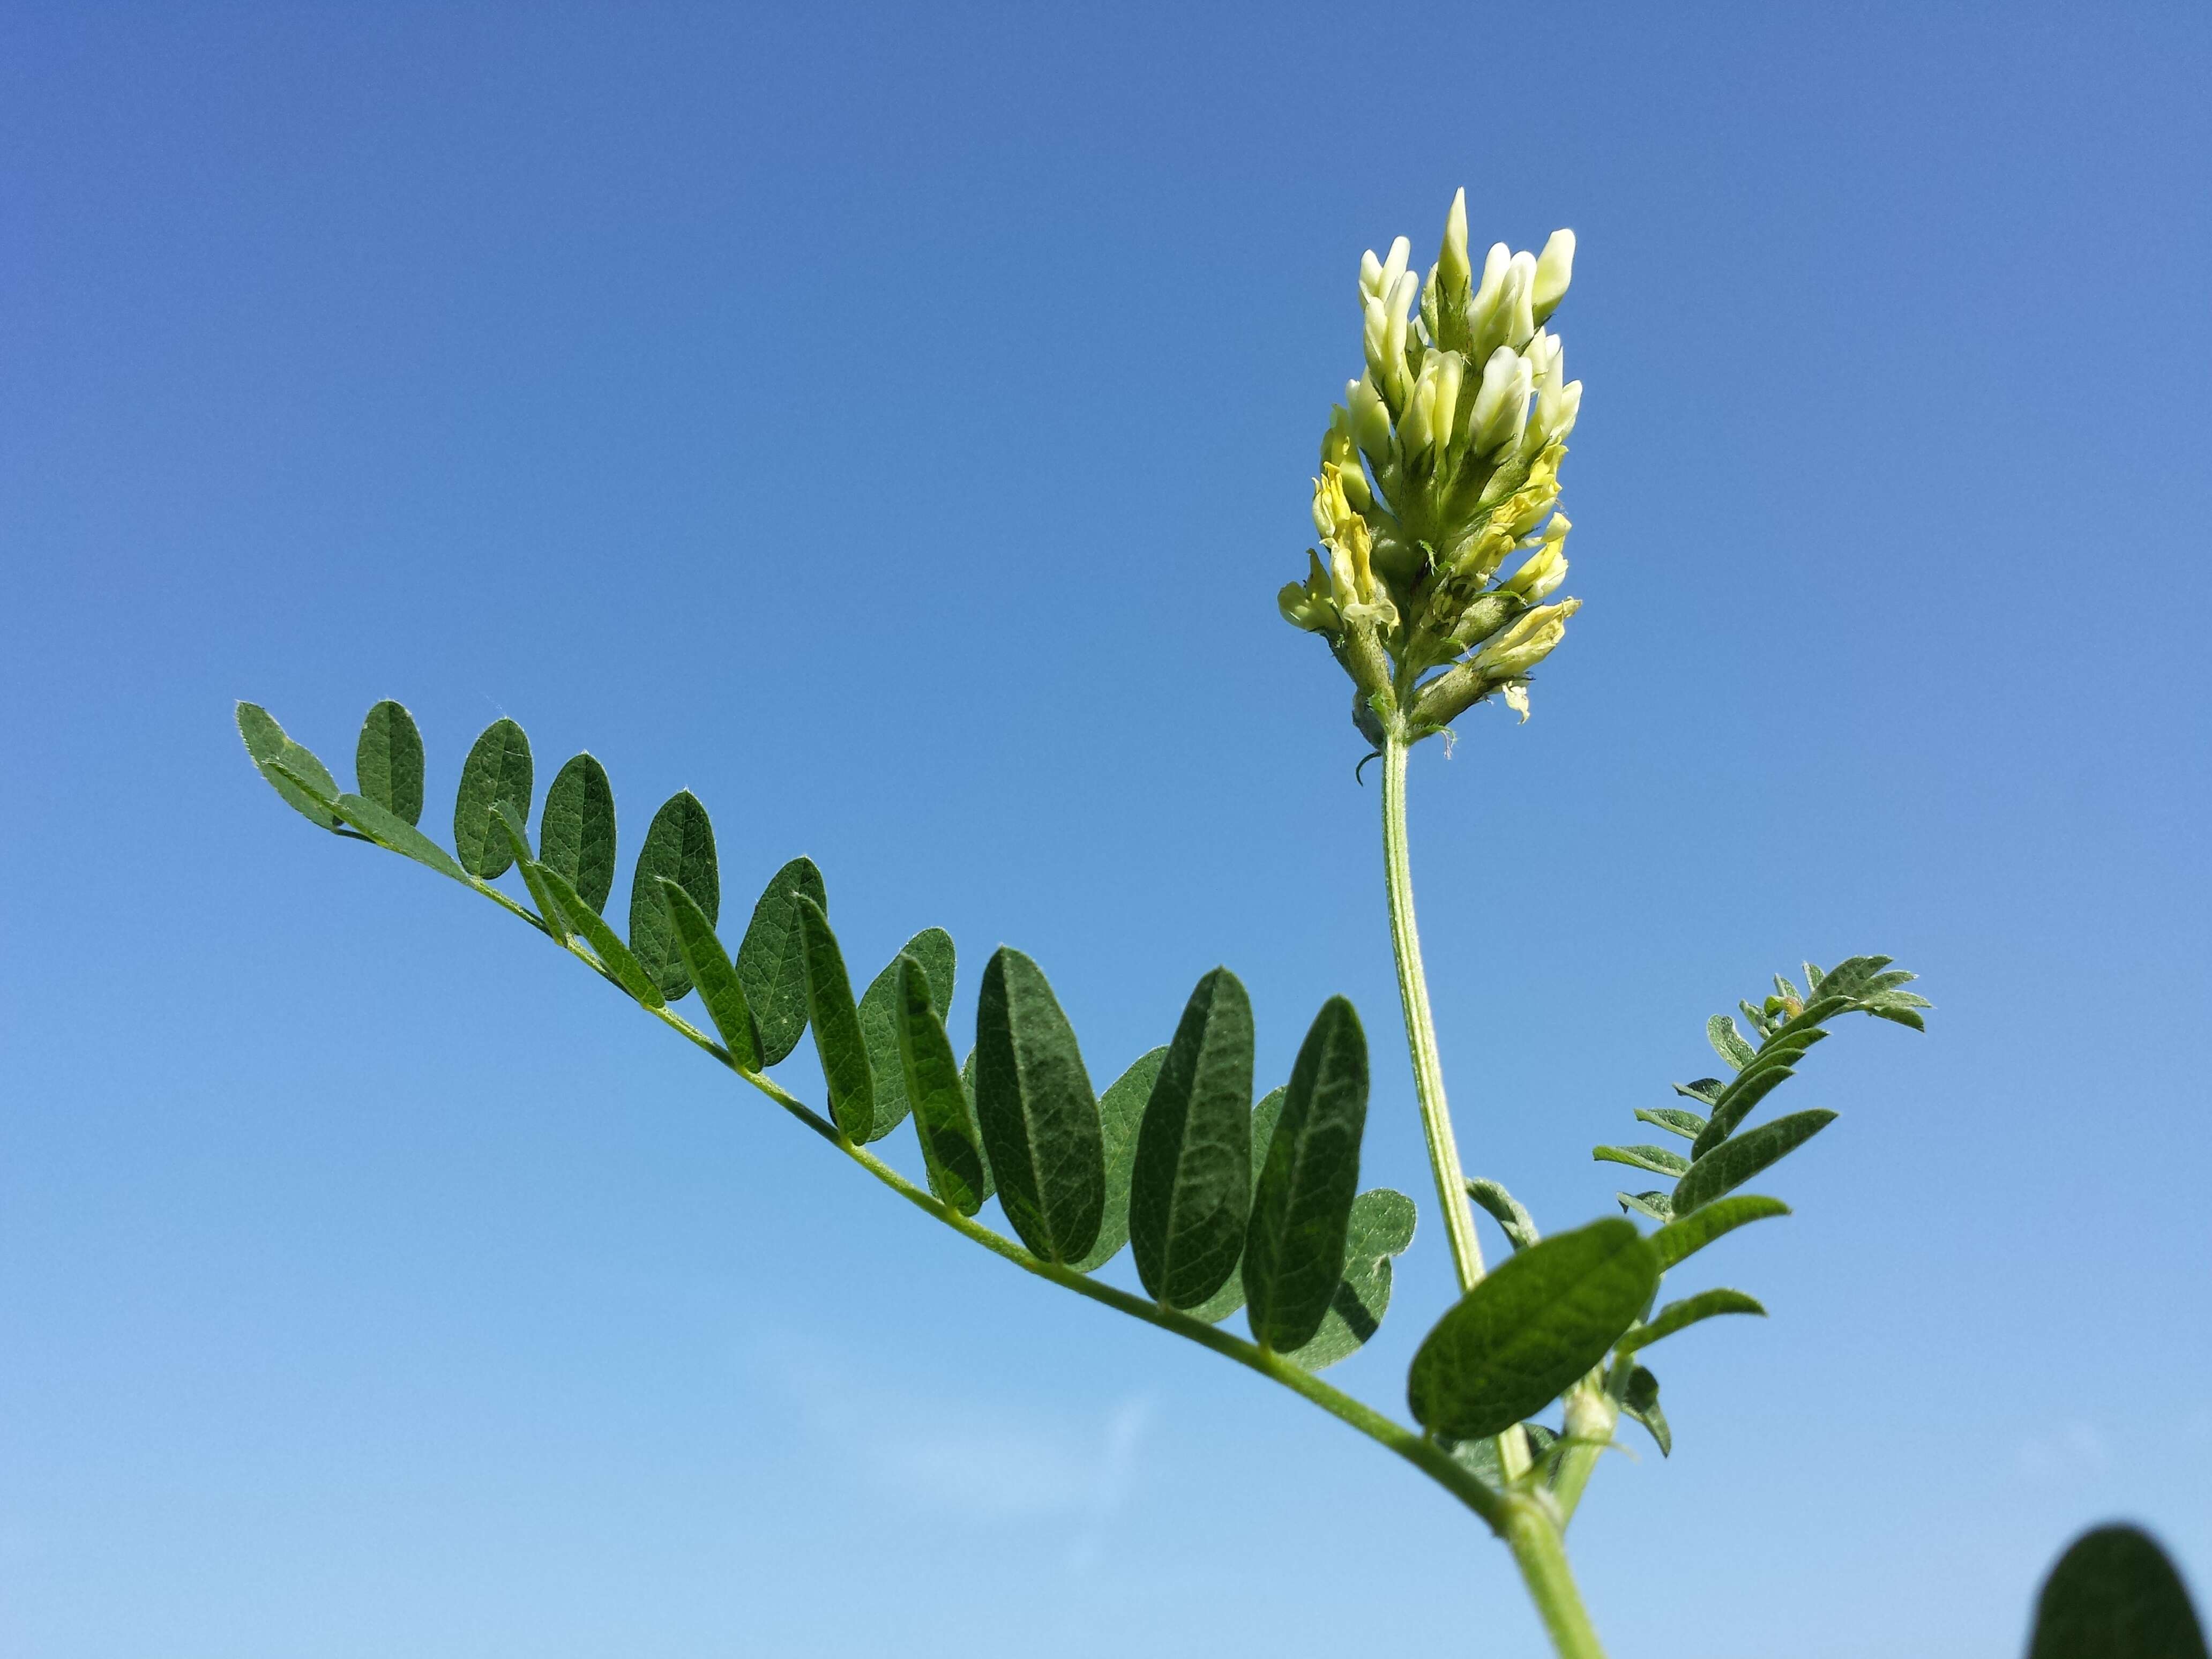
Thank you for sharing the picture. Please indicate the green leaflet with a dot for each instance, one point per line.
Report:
(387, 759)
(679, 846)
(710, 969)
(601, 938)
(1519, 1228)
(1758, 1080)
(1868, 984)
(1657, 1204)
(771, 965)
(1120, 1109)
(1190, 1193)
(1642, 1402)
(309, 789)
(1302, 1202)
(1672, 1119)
(930, 1080)
(1729, 1042)
(836, 1022)
(549, 909)
(497, 769)
(932, 949)
(975, 1124)
(2114, 1594)
(1231, 1296)
(1381, 1227)
(1705, 1089)
(1657, 1159)
(397, 835)
(1733, 1163)
(576, 833)
(1678, 1241)
(1540, 1321)
(1678, 1316)
(1039, 1117)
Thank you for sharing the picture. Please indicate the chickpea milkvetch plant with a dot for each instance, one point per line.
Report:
(1439, 469)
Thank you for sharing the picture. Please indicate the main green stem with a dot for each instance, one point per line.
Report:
(1420, 1025)
(1533, 1525)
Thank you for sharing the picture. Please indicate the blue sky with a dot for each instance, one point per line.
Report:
(893, 426)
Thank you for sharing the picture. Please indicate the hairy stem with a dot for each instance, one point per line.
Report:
(1533, 1524)
(1533, 1535)
(1420, 1027)
(1428, 1063)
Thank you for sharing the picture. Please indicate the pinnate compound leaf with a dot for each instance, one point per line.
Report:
(2114, 1594)
(1120, 1110)
(836, 1022)
(397, 835)
(771, 960)
(1190, 1192)
(576, 833)
(1519, 1227)
(1729, 1042)
(709, 968)
(1678, 1316)
(932, 949)
(1732, 1162)
(1539, 1321)
(387, 760)
(603, 939)
(304, 782)
(931, 1078)
(1039, 1117)
(1658, 1205)
(1309, 1179)
(1678, 1241)
(1381, 1227)
(1657, 1159)
(1642, 1403)
(679, 846)
(1672, 1119)
(498, 770)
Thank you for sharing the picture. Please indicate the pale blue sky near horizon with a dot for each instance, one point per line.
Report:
(893, 424)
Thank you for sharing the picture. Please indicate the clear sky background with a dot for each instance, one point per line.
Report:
(893, 425)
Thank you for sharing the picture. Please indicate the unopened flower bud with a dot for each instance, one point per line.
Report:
(1371, 275)
(1515, 304)
(1417, 429)
(1485, 301)
(1501, 407)
(1452, 267)
(1555, 268)
(1400, 305)
(1546, 353)
(1557, 406)
(1401, 254)
(1371, 419)
(1450, 373)
(1375, 340)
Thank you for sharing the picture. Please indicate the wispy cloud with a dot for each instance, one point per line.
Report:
(962, 1458)
(2072, 1451)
